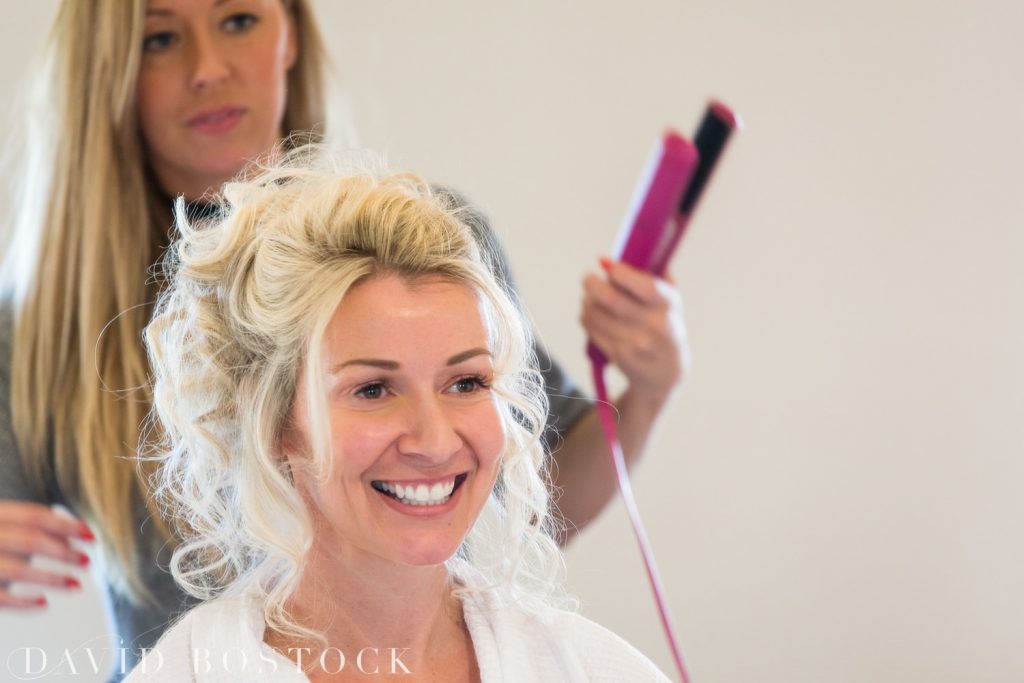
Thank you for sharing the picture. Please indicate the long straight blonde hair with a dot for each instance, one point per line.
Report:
(90, 225)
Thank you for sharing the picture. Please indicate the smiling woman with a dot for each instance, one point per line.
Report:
(349, 421)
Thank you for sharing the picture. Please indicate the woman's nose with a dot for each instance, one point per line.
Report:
(209, 65)
(429, 432)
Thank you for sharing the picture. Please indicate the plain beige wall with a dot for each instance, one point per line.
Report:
(834, 494)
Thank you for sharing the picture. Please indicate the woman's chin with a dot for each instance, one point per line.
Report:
(425, 554)
(213, 164)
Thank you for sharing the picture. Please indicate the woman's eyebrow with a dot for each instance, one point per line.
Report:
(466, 355)
(372, 362)
(161, 11)
(394, 365)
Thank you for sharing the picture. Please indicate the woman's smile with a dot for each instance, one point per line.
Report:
(426, 498)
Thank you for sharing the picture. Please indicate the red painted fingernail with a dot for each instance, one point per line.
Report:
(39, 602)
(71, 582)
(83, 559)
(606, 263)
(86, 533)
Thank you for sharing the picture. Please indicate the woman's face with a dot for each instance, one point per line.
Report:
(415, 430)
(212, 87)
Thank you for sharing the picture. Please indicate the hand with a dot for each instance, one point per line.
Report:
(636, 319)
(28, 529)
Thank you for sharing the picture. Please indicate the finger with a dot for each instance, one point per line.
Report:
(639, 284)
(605, 344)
(38, 515)
(15, 569)
(644, 354)
(28, 541)
(623, 346)
(21, 601)
(654, 331)
(597, 321)
(615, 301)
(629, 356)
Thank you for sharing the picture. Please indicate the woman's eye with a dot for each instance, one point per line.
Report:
(237, 23)
(371, 391)
(467, 385)
(157, 42)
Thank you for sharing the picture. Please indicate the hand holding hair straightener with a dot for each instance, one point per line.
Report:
(663, 204)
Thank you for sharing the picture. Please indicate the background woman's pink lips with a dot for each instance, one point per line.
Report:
(215, 117)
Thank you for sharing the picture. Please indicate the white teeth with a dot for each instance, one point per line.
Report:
(421, 494)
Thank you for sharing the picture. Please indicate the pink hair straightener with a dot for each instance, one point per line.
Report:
(663, 203)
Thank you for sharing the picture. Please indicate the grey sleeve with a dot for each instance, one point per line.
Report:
(566, 403)
(14, 484)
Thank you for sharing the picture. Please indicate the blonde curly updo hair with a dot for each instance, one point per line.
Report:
(248, 296)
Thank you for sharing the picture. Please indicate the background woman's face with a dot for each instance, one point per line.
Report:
(212, 87)
(415, 429)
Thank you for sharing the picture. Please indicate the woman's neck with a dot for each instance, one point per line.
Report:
(397, 615)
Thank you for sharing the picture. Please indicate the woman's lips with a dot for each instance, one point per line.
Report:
(419, 501)
(216, 121)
